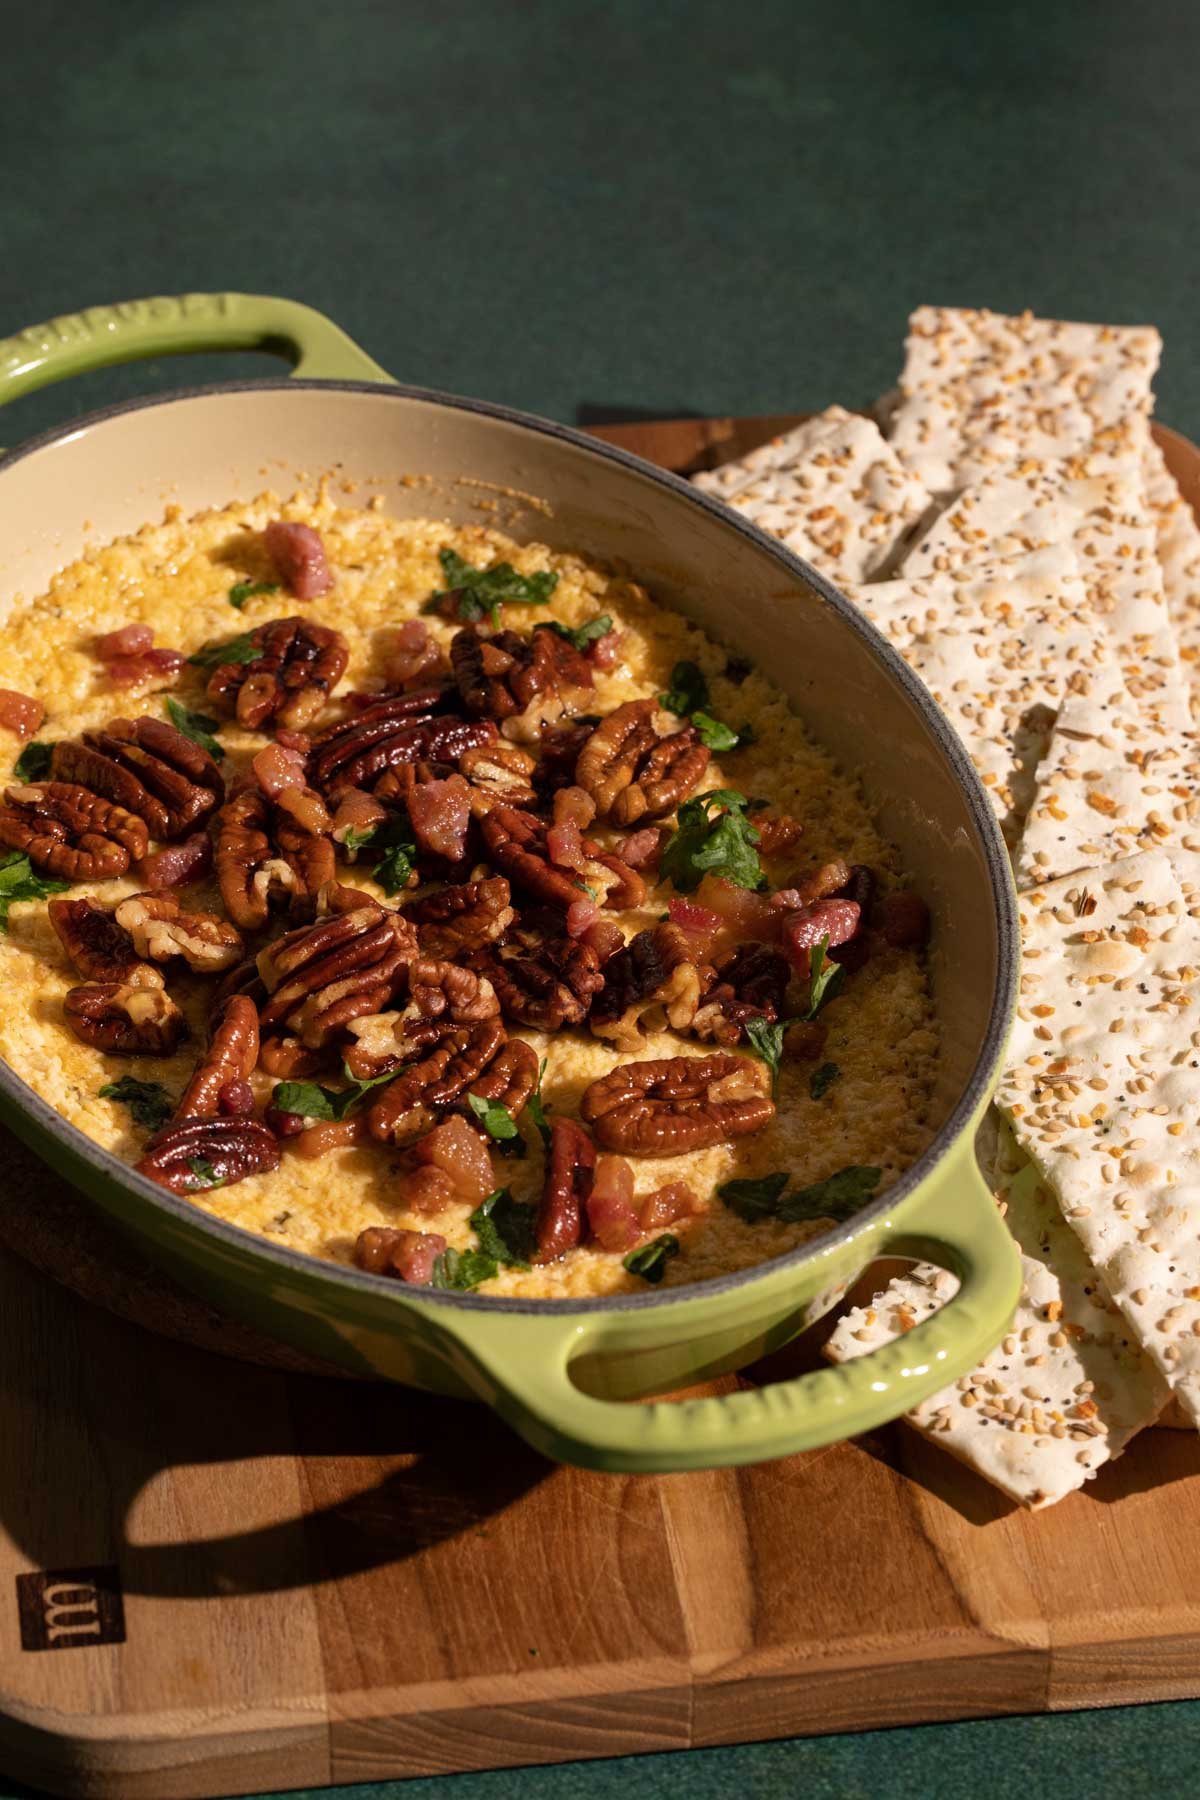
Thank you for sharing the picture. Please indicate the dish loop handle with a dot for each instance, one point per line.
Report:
(525, 1374)
(173, 324)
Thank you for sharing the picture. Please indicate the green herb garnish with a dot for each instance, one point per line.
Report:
(650, 1260)
(203, 1173)
(480, 591)
(688, 691)
(236, 650)
(713, 836)
(822, 1080)
(18, 882)
(838, 1197)
(499, 1124)
(241, 591)
(764, 1039)
(583, 635)
(824, 978)
(197, 726)
(506, 1229)
(148, 1101)
(355, 839)
(536, 1110)
(33, 764)
(713, 733)
(756, 1197)
(463, 1270)
(313, 1102)
(397, 854)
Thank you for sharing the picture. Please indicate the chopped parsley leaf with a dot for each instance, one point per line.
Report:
(764, 1039)
(463, 1270)
(355, 839)
(713, 733)
(583, 635)
(241, 591)
(18, 882)
(756, 1197)
(482, 590)
(313, 1102)
(33, 764)
(499, 1124)
(822, 1080)
(824, 978)
(506, 1229)
(148, 1101)
(838, 1197)
(398, 853)
(536, 1110)
(203, 1173)
(688, 692)
(717, 842)
(197, 726)
(235, 650)
(650, 1260)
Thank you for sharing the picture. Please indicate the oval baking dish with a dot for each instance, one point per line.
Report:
(559, 1371)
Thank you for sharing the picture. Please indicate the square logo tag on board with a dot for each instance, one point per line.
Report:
(69, 1609)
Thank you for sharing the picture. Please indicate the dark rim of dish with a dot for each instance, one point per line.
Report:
(306, 1265)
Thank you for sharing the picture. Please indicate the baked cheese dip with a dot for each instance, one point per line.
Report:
(424, 900)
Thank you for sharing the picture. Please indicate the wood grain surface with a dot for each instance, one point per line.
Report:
(327, 1581)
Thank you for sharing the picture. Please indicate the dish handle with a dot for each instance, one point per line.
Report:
(522, 1365)
(173, 324)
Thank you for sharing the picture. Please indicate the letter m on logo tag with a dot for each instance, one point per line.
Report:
(68, 1609)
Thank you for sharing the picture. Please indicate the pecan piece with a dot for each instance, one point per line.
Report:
(633, 774)
(749, 982)
(501, 674)
(650, 984)
(126, 1018)
(407, 1255)
(70, 831)
(451, 1058)
(196, 1154)
(441, 990)
(463, 917)
(401, 728)
(570, 1167)
(93, 940)
(500, 774)
(297, 667)
(509, 1078)
(681, 1103)
(342, 968)
(231, 1056)
(161, 928)
(516, 841)
(264, 855)
(543, 982)
(148, 768)
(438, 808)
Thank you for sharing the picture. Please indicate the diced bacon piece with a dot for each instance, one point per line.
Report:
(804, 1040)
(604, 938)
(581, 916)
(299, 557)
(308, 809)
(611, 1212)
(574, 805)
(276, 770)
(642, 849)
(802, 931)
(235, 1099)
(564, 846)
(329, 1134)
(700, 924)
(294, 740)
(675, 1200)
(409, 1254)
(440, 812)
(151, 665)
(461, 1156)
(127, 640)
(605, 651)
(744, 914)
(427, 1190)
(358, 812)
(412, 656)
(188, 860)
(20, 712)
(904, 920)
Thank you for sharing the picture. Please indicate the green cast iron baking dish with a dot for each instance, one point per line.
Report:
(559, 1371)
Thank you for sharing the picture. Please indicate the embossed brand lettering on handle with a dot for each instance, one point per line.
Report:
(65, 1609)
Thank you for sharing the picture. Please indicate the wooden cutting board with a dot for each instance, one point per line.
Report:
(219, 1577)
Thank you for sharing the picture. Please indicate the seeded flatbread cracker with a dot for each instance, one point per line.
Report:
(1067, 1387)
(833, 490)
(1177, 542)
(1113, 781)
(1103, 1086)
(980, 389)
(1000, 646)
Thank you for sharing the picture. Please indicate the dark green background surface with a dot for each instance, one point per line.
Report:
(604, 209)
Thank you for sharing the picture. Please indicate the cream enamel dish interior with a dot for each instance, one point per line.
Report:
(555, 1367)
